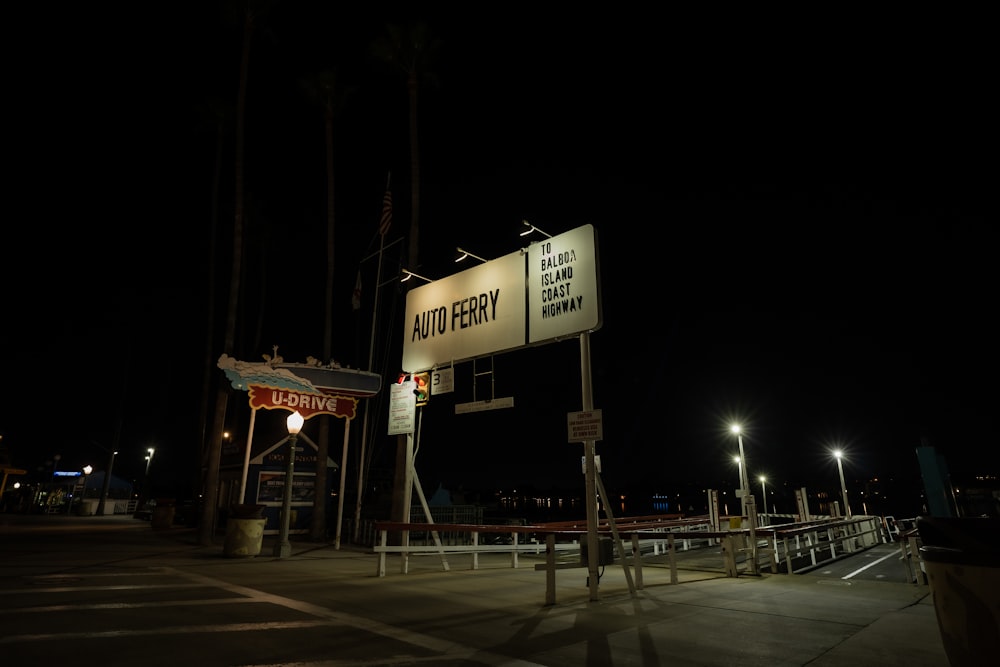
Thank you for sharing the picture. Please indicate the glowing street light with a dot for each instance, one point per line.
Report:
(87, 469)
(149, 459)
(837, 454)
(744, 481)
(749, 508)
(283, 548)
(763, 491)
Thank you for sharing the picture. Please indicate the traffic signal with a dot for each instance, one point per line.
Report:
(422, 387)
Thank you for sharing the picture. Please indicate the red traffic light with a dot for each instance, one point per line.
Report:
(422, 390)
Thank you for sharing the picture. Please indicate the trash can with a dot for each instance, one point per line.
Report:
(163, 514)
(962, 559)
(244, 531)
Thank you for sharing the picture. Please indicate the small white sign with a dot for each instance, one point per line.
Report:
(585, 426)
(442, 381)
(402, 408)
(482, 406)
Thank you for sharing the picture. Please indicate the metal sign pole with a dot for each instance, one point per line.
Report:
(591, 472)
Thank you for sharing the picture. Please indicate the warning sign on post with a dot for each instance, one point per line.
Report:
(585, 426)
(402, 408)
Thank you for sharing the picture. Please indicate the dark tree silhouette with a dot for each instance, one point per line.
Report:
(323, 89)
(411, 50)
(251, 10)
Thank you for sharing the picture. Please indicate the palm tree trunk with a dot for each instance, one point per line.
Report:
(206, 380)
(399, 499)
(206, 527)
(318, 528)
(414, 256)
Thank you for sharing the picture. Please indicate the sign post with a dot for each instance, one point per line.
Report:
(590, 479)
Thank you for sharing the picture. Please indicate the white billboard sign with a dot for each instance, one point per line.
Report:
(471, 314)
(563, 284)
(546, 292)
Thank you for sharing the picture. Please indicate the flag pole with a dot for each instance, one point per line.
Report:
(383, 228)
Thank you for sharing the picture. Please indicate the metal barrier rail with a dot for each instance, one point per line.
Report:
(909, 554)
(818, 542)
(658, 535)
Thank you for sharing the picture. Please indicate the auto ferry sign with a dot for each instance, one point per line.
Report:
(545, 292)
(472, 313)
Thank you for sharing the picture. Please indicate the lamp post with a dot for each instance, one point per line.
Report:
(147, 496)
(107, 484)
(837, 454)
(283, 548)
(749, 507)
(739, 470)
(744, 481)
(87, 469)
(763, 492)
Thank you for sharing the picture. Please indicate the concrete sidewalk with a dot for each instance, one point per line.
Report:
(496, 615)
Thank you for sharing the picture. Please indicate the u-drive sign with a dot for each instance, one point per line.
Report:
(585, 426)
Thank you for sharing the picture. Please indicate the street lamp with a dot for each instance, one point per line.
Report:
(149, 459)
(837, 454)
(749, 508)
(744, 481)
(763, 491)
(739, 471)
(87, 469)
(283, 548)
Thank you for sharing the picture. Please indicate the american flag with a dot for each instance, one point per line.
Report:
(386, 221)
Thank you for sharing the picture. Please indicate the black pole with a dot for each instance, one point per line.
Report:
(283, 549)
(107, 484)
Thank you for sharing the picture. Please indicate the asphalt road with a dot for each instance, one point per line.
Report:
(110, 590)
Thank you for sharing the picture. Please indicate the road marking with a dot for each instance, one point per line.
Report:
(871, 564)
(446, 651)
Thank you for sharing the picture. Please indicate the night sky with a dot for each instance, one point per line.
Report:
(792, 218)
